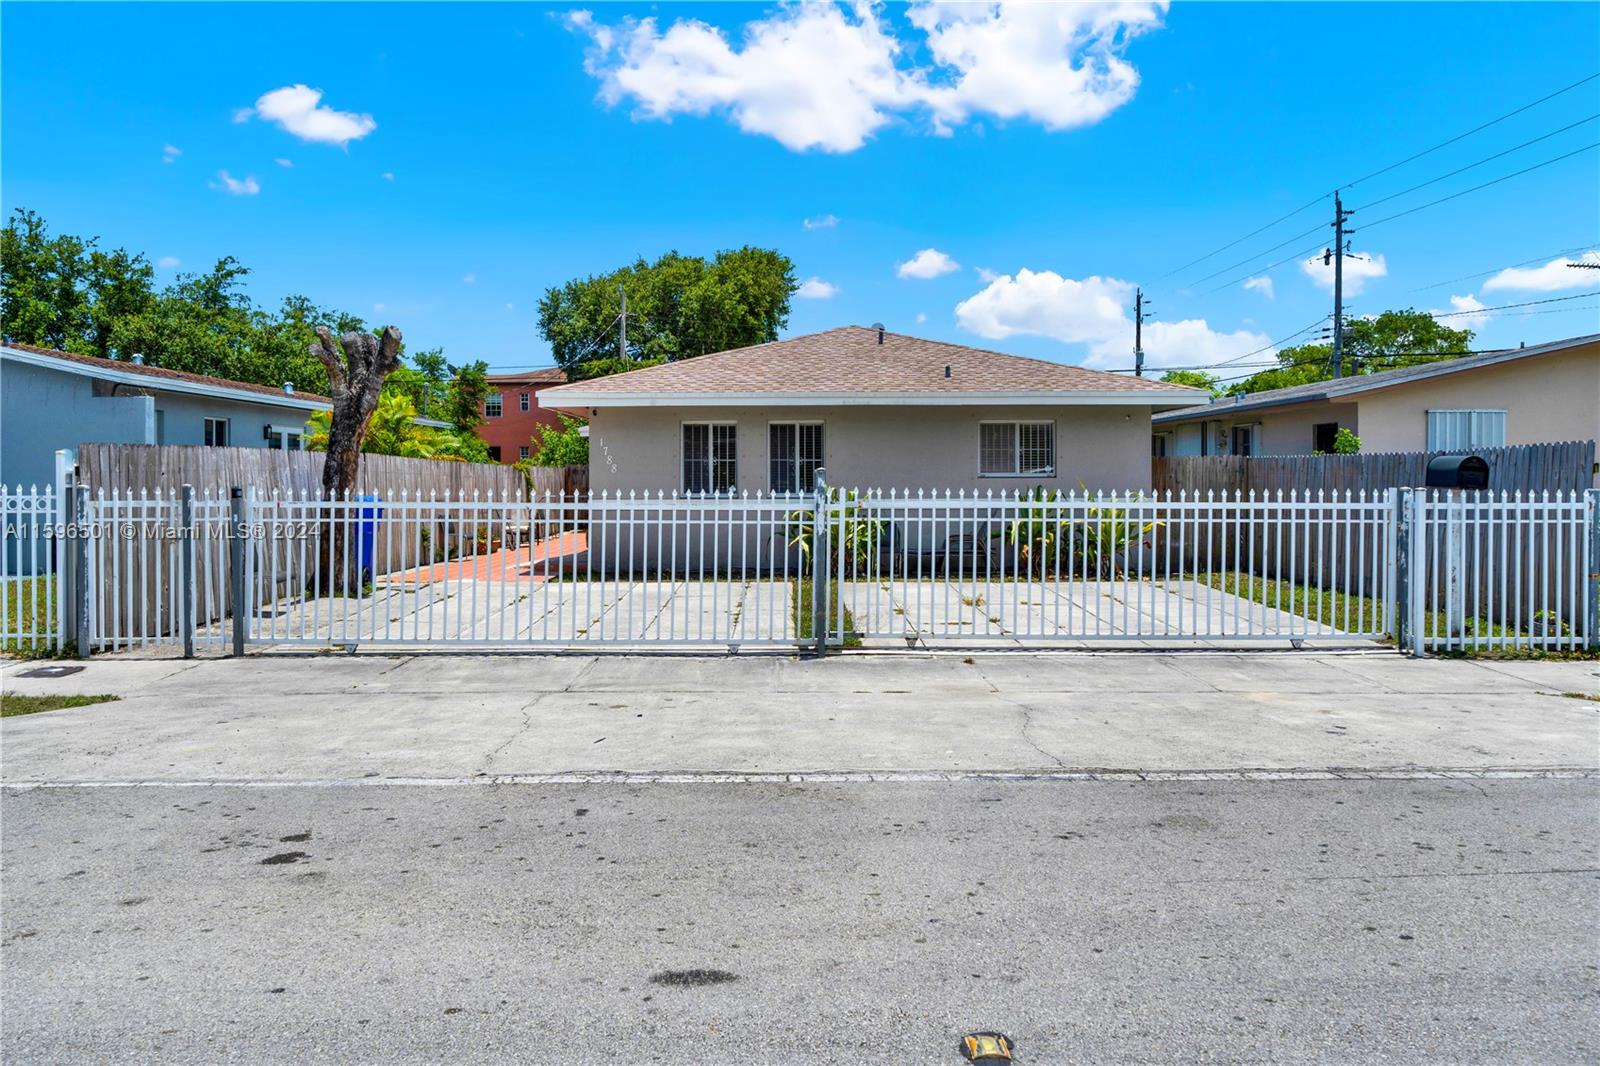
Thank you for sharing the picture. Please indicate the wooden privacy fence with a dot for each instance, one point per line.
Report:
(139, 484)
(132, 468)
(1558, 467)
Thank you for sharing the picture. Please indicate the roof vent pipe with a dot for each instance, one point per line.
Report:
(879, 327)
(138, 360)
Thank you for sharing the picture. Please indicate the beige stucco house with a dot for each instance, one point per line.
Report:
(877, 409)
(1544, 392)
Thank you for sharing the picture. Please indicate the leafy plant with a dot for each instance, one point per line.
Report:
(1345, 442)
(857, 536)
(1036, 531)
(566, 446)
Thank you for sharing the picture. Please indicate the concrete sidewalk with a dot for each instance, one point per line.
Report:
(373, 717)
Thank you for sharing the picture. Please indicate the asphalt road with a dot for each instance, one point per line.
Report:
(1340, 921)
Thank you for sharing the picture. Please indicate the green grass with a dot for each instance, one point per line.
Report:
(802, 612)
(26, 599)
(13, 704)
(1328, 606)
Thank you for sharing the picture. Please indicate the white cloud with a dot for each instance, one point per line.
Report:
(286, 163)
(378, 308)
(170, 153)
(511, 307)
(922, 316)
(820, 222)
(1552, 277)
(247, 186)
(1457, 320)
(826, 76)
(469, 279)
(928, 263)
(985, 275)
(816, 289)
(1095, 312)
(1358, 267)
(168, 262)
(387, 175)
(1263, 285)
(298, 110)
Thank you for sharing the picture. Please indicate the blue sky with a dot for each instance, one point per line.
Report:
(460, 159)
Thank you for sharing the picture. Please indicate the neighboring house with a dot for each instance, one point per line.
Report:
(878, 410)
(53, 400)
(512, 415)
(1546, 392)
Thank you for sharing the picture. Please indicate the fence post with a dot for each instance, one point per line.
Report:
(819, 561)
(186, 566)
(238, 546)
(1591, 518)
(80, 585)
(63, 549)
(1404, 537)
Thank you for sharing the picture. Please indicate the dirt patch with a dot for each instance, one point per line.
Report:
(692, 978)
(284, 857)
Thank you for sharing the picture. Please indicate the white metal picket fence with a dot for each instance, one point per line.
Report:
(1430, 571)
(1032, 568)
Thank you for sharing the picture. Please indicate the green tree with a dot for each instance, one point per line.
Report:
(1392, 339)
(678, 307)
(469, 387)
(566, 446)
(1197, 379)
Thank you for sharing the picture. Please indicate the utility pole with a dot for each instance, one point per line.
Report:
(1336, 253)
(1139, 314)
(622, 319)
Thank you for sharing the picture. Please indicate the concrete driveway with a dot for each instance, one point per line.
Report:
(444, 717)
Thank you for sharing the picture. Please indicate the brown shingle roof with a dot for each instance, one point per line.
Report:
(163, 374)
(849, 360)
(545, 375)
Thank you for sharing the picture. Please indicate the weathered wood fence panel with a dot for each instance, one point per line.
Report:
(133, 472)
(131, 468)
(1566, 467)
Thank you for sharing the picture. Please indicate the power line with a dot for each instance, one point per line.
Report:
(1475, 188)
(1510, 266)
(1375, 173)
(1526, 303)
(1258, 255)
(1266, 269)
(1241, 240)
(1486, 159)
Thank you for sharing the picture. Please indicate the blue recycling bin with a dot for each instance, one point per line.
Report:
(366, 536)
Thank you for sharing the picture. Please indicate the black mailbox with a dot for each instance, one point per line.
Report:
(1457, 472)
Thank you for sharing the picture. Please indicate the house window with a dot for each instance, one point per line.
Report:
(523, 452)
(491, 405)
(285, 438)
(522, 401)
(217, 432)
(1160, 444)
(1244, 440)
(494, 453)
(710, 459)
(1017, 449)
(161, 426)
(1323, 436)
(1457, 430)
(795, 455)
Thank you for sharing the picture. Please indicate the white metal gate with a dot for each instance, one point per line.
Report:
(1427, 570)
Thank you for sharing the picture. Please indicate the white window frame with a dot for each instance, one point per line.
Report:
(1165, 439)
(209, 433)
(1255, 438)
(294, 434)
(1488, 423)
(711, 458)
(522, 402)
(1016, 447)
(499, 405)
(524, 452)
(794, 459)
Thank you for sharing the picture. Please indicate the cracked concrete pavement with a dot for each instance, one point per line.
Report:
(318, 717)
